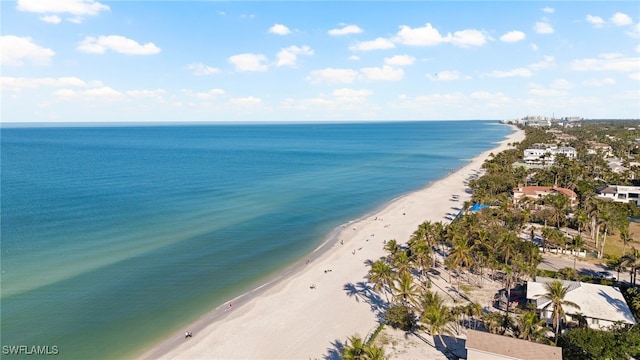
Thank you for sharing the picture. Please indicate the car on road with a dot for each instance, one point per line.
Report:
(606, 275)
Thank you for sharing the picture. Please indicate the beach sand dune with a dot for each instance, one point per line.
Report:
(309, 313)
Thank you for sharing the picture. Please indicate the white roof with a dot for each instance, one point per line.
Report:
(595, 301)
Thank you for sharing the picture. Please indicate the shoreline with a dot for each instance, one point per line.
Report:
(296, 301)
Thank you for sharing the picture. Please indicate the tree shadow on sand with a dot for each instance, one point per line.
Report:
(333, 353)
(363, 291)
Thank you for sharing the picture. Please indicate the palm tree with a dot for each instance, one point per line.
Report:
(437, 319)
(355, 351)
(461, 255)
(556, 293)
(381, 275)
(530, 327)
(421, 257)
(632, 260)
(405, 290)
(392, 248)
(626, 237)
(578, 244)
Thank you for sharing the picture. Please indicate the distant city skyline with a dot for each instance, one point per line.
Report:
(210, 61)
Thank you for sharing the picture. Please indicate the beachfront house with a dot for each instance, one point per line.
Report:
(623, 194)
(538, 192)
(485, 346)
(601, 305)
(545, 154)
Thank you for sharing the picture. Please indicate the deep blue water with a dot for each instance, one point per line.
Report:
(114, 237)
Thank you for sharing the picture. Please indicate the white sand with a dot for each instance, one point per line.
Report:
(289, 320)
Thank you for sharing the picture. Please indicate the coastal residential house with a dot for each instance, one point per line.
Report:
(542, 154)
(601, 305)
(623, 194)
(538, 192)
(594, 148)
(485, 346)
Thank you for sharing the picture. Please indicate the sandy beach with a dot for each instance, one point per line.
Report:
(310, 311)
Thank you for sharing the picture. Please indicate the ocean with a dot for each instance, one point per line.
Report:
(116, 237)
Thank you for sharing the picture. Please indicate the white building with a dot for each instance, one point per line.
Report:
(623, 194)
(542, 154)
(601, 305)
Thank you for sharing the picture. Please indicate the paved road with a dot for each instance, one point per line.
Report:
(557, 262)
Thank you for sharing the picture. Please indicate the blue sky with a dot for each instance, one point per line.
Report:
(149, 61)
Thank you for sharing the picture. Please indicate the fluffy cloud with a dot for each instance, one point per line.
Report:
(246, 101)
(349, 29)
(249, 62)
(599, 82)
(200, 69)
(548, 10)
(422, 36)
(561, 84)
(543, 28)
(539, 90)
(384, 73)
(445, 75)
(400, 60)
(331, 75)
(79, 8)
(596, 21)
(635, 31)
(17, 84)
(105, 93)
(117, 43)
(430, 36)
(621, 19)
(51, 19)
(288, 56)
(377, 44)
(547, 63)
(209, 94)
(522, 72)
(351, 95)
(606, 63)
(512, 36)
(467, 38)
(279, 29)
(16, 50)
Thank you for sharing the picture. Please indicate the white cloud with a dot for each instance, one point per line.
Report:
(522, 72)
(79, 8)
(209, 94)
(635, 76)
(16, 50)
(51, 19)
(422, 36)
(446, 75)
(117, 43)
(606, 63)
(354, 57)
(17, 84)
(548, 10)
(621, 19)
(384, 73)
(279, 29)
(596, 21)
(349, 29)
(469, 37)
(246, 101)
(561, 84)
(331, 75)
(249, 62)
(534, 47)
(599, 82)
(543, 28)
(513, 36)
(199, 69)
(288, 56)
(377, 44)
(400, 60)
(104, 92)
(351, 95)
(539, 90)
(547, 62)
(152, 94)
(634, 32)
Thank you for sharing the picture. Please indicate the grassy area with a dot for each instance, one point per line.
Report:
(614, 245)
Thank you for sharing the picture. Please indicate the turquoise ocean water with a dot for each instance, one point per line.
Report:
(113, 238)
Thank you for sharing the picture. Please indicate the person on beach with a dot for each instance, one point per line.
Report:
(187, 334)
